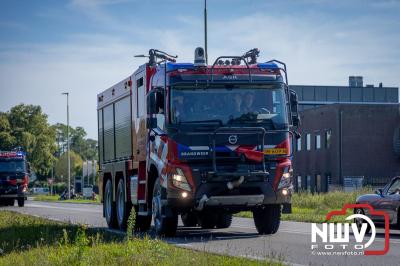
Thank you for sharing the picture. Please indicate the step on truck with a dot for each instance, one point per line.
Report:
(197, 140)
(14, 177)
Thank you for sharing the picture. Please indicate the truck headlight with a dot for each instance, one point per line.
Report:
(286, 179)
(179, 180)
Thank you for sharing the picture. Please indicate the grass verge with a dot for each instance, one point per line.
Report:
(307, 207)
(27, 240)
(56, 198)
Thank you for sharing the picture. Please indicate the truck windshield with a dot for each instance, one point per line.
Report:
(243, 104)
(12, 166)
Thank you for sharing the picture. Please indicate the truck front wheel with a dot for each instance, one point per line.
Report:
(109, 206)
(267, 219)
(189, 219)
(208, 219)
(165, 220)
(10, 202)
(224, 220)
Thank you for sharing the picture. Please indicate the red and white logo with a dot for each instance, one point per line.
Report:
(335, 239)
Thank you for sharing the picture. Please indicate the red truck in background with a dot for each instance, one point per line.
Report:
(14, 177)
(196, 140)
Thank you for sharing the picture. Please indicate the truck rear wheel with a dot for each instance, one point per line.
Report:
(267, 219)
(165, 220)
(109, 206)
(224, 220)
(189, 219)
(121, 206)
(21, 202)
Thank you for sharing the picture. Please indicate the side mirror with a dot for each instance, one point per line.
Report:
(155, 101)
(379, 191)
(296, 120)
(294, 108)
(151, 102)
(293, 101)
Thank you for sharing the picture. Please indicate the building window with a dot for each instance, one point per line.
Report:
(318, 185)
(328, 138)
(298, 144)
(318, 142)
(308, 183)
(308, 142)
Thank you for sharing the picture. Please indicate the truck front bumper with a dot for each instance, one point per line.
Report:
(12, 192)
(218, 195)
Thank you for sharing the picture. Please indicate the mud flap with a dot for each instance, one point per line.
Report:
(286, 208)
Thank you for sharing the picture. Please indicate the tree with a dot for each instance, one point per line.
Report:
(86, 148)
(26, 126)
(7, 141)
(62, 166)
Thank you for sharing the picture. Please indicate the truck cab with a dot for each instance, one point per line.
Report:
(14, 177)
(210, 141)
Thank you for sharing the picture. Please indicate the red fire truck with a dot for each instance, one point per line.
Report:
(14, 177)
(197, 140)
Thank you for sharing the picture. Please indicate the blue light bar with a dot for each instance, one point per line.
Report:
(267, 66)
(176, 66)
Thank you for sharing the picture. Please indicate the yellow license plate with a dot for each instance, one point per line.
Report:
(275, 151)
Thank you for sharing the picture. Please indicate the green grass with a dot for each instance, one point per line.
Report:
(57, 197)
(27, 240)
(307, 207)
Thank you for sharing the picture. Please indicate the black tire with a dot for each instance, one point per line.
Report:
(224, 220)
(10, 202)
(122, 210)
(358, 222)
(267, 219)
(21, 202)
(109, 206)
(208, 220)
(165, 219)
(189, 219)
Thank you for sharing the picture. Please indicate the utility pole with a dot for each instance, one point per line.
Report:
(68, 155)
(205, 30)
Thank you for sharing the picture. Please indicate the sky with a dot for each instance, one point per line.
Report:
(85, 46)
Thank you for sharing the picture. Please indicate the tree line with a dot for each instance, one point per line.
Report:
(27, 126)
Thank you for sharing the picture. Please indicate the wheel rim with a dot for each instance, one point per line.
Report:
(108, 203)
(156, 208)
(120, 203)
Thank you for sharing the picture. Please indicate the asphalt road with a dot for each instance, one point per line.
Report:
(291, 244)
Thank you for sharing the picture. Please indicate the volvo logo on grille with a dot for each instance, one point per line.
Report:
(233, 139)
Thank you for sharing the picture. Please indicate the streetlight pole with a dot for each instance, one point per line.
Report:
(68, 157)
(205, 30)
